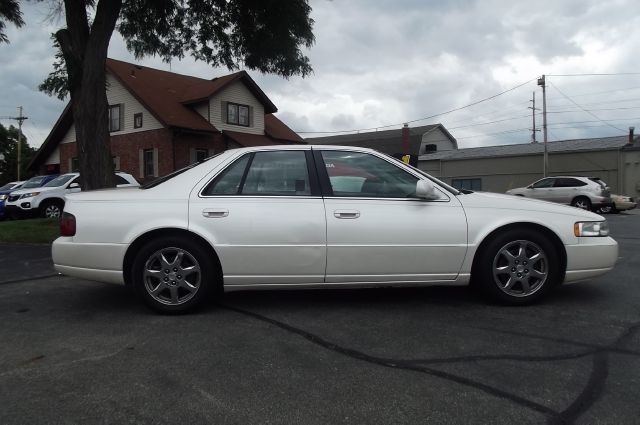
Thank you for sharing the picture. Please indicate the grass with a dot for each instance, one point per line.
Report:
(39, 230)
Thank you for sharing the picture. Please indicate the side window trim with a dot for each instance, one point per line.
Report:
(321, 169)
(244, 175)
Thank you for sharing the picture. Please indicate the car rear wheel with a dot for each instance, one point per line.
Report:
(608, 209)
(582, 203)
(51, 209)
(173, 275)
(518, 267)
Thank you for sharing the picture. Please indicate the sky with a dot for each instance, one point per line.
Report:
(380, 63)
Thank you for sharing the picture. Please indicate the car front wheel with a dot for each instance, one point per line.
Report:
(518, 267)
(51, 209)
(173, 275)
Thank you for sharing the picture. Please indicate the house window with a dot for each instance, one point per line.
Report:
(116, 163)
(137, 120)
(148, 163)
(75, 166)
(115, 123)
(238, 114)
(201, 154)
(469, 184)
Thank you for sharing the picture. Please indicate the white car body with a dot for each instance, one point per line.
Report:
(28, 201)
(264, 242)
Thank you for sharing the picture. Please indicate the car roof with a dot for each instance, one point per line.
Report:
(303, 147)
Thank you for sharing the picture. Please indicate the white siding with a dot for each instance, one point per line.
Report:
(118, 94)
(436, 137)
(70, 137)
(202, 109)
(54, 158)
(237, 93)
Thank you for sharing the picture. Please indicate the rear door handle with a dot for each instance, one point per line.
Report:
(346, 214)
(215, 213)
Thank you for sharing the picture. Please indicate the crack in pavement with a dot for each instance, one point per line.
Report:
(590, 394)
(27, 279)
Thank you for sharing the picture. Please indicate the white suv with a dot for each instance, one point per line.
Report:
(588, 193)
(48, 200)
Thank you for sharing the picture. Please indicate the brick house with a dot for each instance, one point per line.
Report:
(161, 121)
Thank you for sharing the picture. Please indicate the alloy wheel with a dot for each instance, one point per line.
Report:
(172, 276)
(520, 268)
(52, 211)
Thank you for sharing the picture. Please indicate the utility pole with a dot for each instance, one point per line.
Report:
(20, 120)
(533, 116)
(545, 160)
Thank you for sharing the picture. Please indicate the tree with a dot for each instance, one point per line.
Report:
(265, 35)
(9, 148)
(9, 11)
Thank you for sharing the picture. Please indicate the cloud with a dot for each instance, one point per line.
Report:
(384, 62)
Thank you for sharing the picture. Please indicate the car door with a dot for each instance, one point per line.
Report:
(542, 189)
(377, 231)
(265, 217)
(564, 189)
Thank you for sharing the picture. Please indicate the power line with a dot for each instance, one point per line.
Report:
(421, 119)
(594, 74)
(589, 112)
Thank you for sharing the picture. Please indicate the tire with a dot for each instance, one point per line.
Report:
(518, 267)
(173, 275)
(582, 202)
(609, 209)
(51, 209)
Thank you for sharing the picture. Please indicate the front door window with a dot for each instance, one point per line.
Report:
(355, 174)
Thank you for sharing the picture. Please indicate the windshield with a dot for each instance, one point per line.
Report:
(33, 182)
(7, 186)
(60, 180)
(169, 176)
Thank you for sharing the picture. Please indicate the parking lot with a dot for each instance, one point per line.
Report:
(75, 351)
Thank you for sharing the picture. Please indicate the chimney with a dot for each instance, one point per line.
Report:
(405, 139)
(630, 142)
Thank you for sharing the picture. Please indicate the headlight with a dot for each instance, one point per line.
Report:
(591, 228)
(29, 195)
(3, 197)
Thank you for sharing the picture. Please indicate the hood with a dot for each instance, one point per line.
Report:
(35, 189)
(498, 200)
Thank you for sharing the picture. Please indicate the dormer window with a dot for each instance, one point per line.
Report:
(238, 114)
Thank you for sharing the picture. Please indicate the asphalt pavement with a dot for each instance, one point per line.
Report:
(76, 351)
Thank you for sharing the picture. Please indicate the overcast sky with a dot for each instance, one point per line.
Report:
(385, 62)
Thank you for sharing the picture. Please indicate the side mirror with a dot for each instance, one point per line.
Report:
(74, 186)
(426, 190)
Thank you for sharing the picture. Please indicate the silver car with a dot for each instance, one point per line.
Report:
(588, 193)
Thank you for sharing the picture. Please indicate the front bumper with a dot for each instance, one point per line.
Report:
(590, 258)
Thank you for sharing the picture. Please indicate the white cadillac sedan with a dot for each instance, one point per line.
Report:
(285, 217)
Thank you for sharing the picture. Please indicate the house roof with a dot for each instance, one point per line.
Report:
(388, 141)
(168, 96)
(596, 144)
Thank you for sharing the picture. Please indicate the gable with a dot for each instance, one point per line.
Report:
(236, 92)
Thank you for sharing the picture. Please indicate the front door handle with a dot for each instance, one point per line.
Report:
(215, 213)
(346, 214)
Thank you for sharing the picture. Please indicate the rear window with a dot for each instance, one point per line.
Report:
(598, 180)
